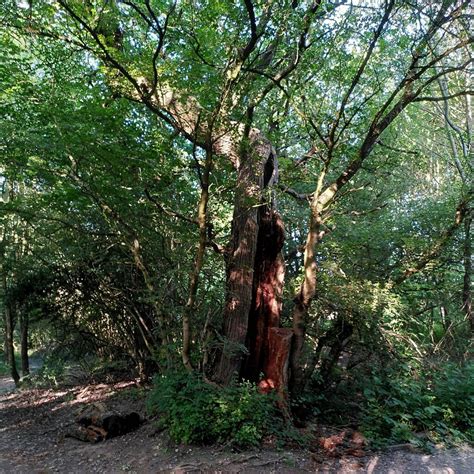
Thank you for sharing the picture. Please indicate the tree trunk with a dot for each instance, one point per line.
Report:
(266, 302)
(253, 285)
(302, 302)
(25, 366)
(276, 365)
(5, 345)
(307, 291)
(338, 337)
(444, 317)
(466, 293)
(198, 261)
(9, 326)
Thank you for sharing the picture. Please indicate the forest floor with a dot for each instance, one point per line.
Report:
(33, 439)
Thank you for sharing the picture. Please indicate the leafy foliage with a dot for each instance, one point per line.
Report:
(196, 412)
(436, 404)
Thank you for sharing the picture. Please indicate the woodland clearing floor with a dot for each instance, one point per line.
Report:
(33, 424)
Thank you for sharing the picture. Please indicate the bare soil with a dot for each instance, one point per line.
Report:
(34, 424)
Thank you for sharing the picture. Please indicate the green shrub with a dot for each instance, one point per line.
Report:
(194, 411)
(50, 374)
(439, 404)
(4, 366)
(5, 369)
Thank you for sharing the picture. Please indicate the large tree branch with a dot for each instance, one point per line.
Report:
(294, 59)
(380, 122)
(435, 250)
(442, 98)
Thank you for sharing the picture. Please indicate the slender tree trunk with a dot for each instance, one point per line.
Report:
(303, 302)
(339, 336)
(466, 293)
(9, 326)
(199, 260)
(136, 252)
(5, 345)
(444, 317)
(307, 291)
(25, 366)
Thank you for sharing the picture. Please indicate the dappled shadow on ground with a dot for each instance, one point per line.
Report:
(452, 461)
(33, 425)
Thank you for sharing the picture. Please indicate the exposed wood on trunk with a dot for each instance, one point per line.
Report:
(268, 288)
(276, 366)
(257, 159)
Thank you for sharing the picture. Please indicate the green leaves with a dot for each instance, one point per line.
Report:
(438, 404)
(237, 414)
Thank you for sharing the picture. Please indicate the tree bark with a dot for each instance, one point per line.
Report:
(256, 171)
(25, 366)
(466, 293)
(444, 317)
(303, 302)
(199, 260)
(307, 291)
(9, 326)
(266, 302)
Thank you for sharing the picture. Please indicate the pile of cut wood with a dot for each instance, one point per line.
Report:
(94, 423)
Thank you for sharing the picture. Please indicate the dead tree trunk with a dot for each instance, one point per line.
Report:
(255, 267)
(267, 288)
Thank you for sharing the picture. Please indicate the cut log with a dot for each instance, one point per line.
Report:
(93, 424)
(89, 434)
(118, 425)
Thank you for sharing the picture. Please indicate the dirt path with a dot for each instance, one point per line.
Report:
(6, 385)
(33, 425)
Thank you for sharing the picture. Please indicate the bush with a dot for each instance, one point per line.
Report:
(194, 411)
(437, 404)
(50, 374)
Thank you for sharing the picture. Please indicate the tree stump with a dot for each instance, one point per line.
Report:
(276, 366)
